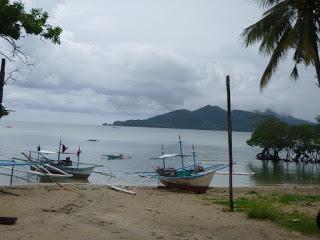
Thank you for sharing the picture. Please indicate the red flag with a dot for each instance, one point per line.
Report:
(64, 148)
(78, 152)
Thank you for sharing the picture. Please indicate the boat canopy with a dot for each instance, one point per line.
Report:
(44, 152)
(167, 156)
(170, 155)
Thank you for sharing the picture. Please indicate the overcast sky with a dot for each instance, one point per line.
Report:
(129, 59)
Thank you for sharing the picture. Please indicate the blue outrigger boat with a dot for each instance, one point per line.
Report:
(195, 178)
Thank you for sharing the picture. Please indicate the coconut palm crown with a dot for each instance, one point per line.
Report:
(287, 25)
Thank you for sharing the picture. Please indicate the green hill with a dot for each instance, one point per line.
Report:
(208, 118)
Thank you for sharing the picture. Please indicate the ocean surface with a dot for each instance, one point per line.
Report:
(141, 144)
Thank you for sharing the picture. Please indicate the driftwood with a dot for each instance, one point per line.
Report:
(120, 189)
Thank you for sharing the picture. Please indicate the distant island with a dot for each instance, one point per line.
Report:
(209, 118)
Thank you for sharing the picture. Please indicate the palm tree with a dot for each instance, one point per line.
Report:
(287, 25)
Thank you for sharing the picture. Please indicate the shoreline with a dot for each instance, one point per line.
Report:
(85, 211)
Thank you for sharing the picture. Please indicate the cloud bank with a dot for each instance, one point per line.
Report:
(129, 60)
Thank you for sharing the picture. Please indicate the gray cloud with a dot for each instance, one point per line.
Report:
(134, 59)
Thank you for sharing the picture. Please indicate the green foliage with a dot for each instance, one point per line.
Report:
(15, 22)
(302, 138)
(271, 133)
(289, 198)
(297, 142)
(262, 210)
(275, 207)
(286, 25)
(298, 221)
(3, 111)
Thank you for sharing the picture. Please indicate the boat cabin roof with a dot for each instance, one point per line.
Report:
(167, 156)
(46, 152)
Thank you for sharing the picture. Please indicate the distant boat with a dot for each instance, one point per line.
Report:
(93, 140)
(195, 178)
(119, 156)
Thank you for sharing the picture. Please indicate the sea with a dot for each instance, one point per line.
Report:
(143, 144)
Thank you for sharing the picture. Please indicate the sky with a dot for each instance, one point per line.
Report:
(130, 59)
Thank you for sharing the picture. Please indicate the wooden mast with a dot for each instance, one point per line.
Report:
(164, 165)
(181, 153)
(59, 150)
(194, 157)
(2, 76)
(230, 143)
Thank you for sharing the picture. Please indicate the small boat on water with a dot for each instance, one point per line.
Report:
(195, 178)
(65, 164)
(118, 156)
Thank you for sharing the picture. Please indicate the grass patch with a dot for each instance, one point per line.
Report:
(262, 210)
(289, 198)
(272, 207)
(252, 192)
(299, 222)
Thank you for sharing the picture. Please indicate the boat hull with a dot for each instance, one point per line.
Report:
(77, 172)
(197, 184)
(81, 172)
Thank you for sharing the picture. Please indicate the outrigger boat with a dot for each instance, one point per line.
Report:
(38, 169)
(78, 170)
(195, 178)
(118, 156)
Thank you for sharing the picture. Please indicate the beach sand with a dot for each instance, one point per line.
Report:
(85, 212)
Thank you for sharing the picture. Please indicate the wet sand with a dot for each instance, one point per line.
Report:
(84, 212)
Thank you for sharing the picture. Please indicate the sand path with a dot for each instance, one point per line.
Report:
(85, 212)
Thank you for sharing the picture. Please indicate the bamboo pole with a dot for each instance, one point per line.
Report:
(2, 76)
(11, 177)
(181, 153)
(230, 143)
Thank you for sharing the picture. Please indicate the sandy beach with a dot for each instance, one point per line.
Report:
(95, 212)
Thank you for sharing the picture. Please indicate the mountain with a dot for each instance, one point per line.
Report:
(209, 118)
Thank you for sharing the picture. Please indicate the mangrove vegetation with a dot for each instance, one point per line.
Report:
(279, 141)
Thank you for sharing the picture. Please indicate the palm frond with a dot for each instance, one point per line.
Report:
(294, 74)
(279, 52)
(310, 38)
(286, 24)
(268, 3)
(266, 28)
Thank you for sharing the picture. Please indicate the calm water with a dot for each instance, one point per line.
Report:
(142, 144)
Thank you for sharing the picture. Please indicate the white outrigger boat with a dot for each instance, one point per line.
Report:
(196, 177)
(78, 170)
(38, 169)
